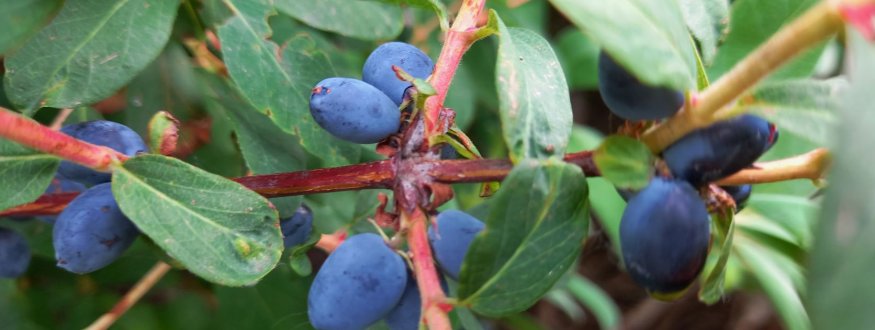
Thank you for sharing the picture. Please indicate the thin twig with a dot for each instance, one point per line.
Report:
(817, 24)
(147, 282)
(60, 118)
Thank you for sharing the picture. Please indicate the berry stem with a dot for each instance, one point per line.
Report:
(146, 282)
(32, 134)
(811, 165)
(433, 298)
(459, 38)
(817, 24)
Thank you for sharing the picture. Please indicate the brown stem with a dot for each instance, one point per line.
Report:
(32, 134)
(434, 306)
(811, 165)
(814, 26)
(147, 282)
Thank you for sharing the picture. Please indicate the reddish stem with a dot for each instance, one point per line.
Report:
(434, 306)
(458, 39)
(32, 134)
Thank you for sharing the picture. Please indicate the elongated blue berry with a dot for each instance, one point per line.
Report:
(296, 229)
(715, 152)
(359, 283)
(378, 72)
(629, 98)
(92, 232)
(104, 133)
(450, 239)
(354, 111)
(664, 235)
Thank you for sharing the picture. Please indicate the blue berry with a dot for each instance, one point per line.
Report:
(359, 283)
(59, 185)
(354, 111)
(296, 229)
(629, 98)
(406, 315)
(378, 72)
(664, 235)
(450, 239)
(717, 151)
(104, 133)
(14, 254)
(740, 194)
(92, 232)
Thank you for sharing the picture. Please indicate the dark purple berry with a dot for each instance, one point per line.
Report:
(378, 72)
(629, 98)
(354, 111)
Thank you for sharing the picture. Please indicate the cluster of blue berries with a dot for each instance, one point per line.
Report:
(366, 111)
(364, 280)
(665, 229)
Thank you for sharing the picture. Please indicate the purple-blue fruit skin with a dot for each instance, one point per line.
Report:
(92, 232)
(59, 185)
(378, 72)
(664, 236)
(103, 133)
(14, 254)
(296, 229)
(354, 111)
(629, 98)
(450, 239)
(406, 315)
(719, 150)
(359, 283)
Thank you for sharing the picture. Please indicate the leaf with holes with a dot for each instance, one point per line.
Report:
(24, 173)
(533, 97)
(217, 228)
(90, 50)
(534, 232)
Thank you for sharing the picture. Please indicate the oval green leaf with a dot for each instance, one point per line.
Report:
(90, 50)
(217, 228)
(24, 173)
(708, 20)
(366, 20)
(535, 230)
(533, 97)
(648, 37)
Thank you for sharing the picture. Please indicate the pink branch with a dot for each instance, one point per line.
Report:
(32, 134)
(458, 39)
(434, 305)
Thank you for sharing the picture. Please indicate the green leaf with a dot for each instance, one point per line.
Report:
(436, 5)
(21, 19)
(579, 57)
(596, 301)
(624, 161)
(366, 20)
(24, 173)
(842, 257)
(277, 302)
(775, 283)
(805, 107)
(533, 96)
(217, 228)
(753, 22)
(535, 230)
(277, 81)
(90, 50)
(167, 84)
(708, 20)
(648, 37)
(257, 136)
(713, 281)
